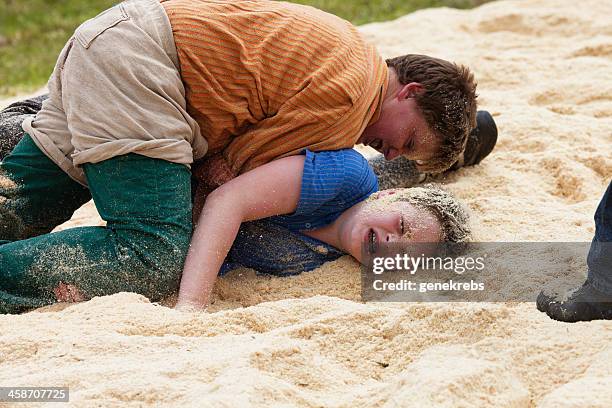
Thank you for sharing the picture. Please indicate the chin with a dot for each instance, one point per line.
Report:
(351, 251)
(357, 256)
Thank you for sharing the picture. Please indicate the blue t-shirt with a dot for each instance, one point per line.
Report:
(271, 249)
(332, 182)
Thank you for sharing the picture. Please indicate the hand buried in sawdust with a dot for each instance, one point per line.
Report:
(213, 171)
(68, 293)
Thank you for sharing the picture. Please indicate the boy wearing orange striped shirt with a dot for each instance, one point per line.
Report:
(147, 87)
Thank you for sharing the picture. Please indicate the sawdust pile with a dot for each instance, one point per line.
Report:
(545, 71)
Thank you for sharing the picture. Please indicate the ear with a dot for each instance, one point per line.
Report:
(410, 90)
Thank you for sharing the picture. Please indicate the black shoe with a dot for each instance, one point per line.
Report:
(480, 143)
(585, 304)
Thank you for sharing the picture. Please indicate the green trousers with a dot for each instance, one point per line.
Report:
(145, 202)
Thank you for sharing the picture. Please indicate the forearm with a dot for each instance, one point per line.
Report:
(212, 239)
(271, 189)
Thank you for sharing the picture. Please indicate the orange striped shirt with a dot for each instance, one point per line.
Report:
(267, 79)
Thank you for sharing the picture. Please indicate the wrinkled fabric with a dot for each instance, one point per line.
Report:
(268, 79)
(147, 207)
(108, 97)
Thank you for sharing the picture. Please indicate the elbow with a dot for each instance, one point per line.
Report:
(214, 195)
(224, 202)
(222, 195)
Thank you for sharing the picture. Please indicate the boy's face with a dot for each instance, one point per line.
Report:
(383, 221)
(401, 129)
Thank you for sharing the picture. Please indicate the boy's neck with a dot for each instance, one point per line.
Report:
(332, 234)
(328, 234)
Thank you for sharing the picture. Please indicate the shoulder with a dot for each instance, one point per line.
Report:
(359, 178)
(332, 182)
(337, 165)
(346, 170)
(355, 164)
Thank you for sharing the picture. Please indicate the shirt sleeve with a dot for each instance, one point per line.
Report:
(322, 181)
(332, 182)
(360, 181)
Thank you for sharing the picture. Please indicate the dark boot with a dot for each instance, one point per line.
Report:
(480, 143)
(585, 304)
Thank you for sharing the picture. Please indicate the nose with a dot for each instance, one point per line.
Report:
(392, 237)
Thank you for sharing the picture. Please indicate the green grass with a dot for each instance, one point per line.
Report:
(33, 32)
(366, 11)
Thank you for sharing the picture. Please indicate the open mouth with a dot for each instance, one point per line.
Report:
(372, 241)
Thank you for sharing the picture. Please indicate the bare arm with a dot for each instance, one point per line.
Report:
(271, 189)
(211, 172)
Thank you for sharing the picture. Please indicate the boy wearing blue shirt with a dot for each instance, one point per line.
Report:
(280, 246)
(321, 195)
